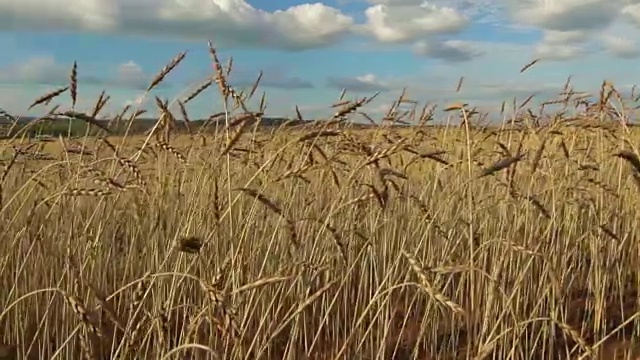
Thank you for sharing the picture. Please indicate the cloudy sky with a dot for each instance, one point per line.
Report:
(310, 51)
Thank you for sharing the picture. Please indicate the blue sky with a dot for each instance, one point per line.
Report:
(310, 51)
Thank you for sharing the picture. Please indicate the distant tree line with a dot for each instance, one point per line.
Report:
(75, 127)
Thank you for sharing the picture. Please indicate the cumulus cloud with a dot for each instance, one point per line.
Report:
(620, 47)
(408, 20)
(228, 22)
(36, 70)
(396, 2)
(130, 74)
(573, 28)
(449, 50)
(364, 83)
(45, 70)
(565, 15)
(480, 11)
(632, 12)
(561, 45)
(548, 51)
(566, 36)
(82, 14)
(555, 15)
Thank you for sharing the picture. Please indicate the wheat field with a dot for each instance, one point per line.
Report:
(324, 240)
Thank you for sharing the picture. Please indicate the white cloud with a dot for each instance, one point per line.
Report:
(449, 50)
(577, 28)
(565, 15)
(479, 10)
(582, 37)
(311, 24)
(227, 22)
(559, 15)
(37, 69)
(130, 74)
(561, 45)
(86, 14)
(397, 2)
(45, 70)
(495, 76)
(364, 83)
(620, 47)
(632, 12)
(408, 20)
(556, 51)
(562, 37)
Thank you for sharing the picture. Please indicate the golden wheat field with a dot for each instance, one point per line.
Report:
(323, 240)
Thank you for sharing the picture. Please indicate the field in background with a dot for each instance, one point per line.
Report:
(322, 241)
